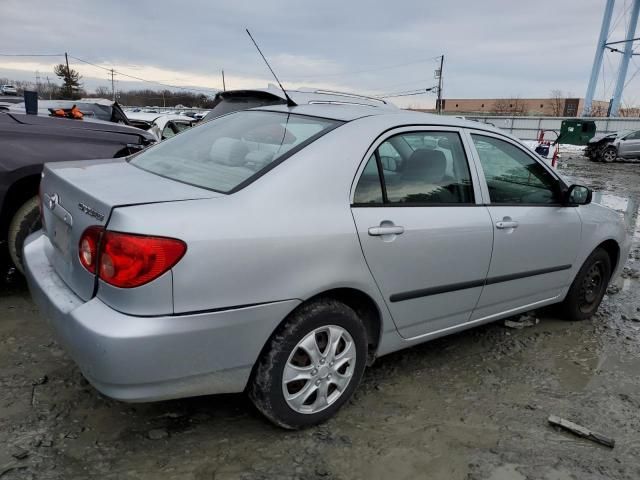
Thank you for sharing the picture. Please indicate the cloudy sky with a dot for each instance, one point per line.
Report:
(492, 48)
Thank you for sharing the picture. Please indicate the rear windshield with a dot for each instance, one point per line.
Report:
(233, 103)
(229, 152)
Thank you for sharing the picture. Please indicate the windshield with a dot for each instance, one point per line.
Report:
(229, 152)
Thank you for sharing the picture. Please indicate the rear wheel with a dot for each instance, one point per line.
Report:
(609, 155)
(312, 365)
(24, 222)
(588, 287)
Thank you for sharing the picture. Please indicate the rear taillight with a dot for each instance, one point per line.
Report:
(88, 248)
(126, 260)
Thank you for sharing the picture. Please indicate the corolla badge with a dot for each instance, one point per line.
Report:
(91, 212)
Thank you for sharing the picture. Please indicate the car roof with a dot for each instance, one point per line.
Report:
(394, 117)
(150, 117)
(303, 96)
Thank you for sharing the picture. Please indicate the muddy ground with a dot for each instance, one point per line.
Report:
(470, 406)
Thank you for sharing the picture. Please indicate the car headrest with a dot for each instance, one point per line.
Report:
(229, 151)
(426, 165)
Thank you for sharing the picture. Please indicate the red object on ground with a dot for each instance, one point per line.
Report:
(554, 160)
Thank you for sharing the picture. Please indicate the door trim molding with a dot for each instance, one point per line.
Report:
(452, 287)
(471, 323)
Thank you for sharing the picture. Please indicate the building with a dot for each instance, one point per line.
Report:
(552, 107)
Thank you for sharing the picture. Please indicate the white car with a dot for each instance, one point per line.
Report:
(163, 126)
(8, 90)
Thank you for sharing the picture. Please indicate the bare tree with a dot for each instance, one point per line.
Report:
(508, 106)
(558, 99)
(103, 92)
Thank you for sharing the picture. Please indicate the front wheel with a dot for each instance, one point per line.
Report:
(609, 155)
(588, 287)
(312, 365)
(24, 222)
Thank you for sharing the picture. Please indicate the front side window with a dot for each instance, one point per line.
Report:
(512, 176)
(633, 136)
(226, 152)
(417, 168)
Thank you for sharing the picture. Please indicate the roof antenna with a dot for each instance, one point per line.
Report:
(290, 103)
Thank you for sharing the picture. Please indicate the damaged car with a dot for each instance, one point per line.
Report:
(280, 250)
(28, 141)
(609, 147)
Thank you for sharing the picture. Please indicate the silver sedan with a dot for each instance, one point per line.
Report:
(280, 250)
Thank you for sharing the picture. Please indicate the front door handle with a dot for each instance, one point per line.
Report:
(503, 224)
(386, 230)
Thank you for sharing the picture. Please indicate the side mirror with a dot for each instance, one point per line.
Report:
(578, 195)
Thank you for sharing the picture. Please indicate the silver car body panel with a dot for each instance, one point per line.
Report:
(253, 256)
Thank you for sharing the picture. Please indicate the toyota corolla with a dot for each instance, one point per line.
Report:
(280, 250)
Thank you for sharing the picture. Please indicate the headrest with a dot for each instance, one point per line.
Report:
(228, 151)
(428, 165)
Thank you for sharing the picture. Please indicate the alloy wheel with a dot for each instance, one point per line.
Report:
(319, 369)
(609, 155)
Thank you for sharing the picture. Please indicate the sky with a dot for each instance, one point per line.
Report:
(492, 48)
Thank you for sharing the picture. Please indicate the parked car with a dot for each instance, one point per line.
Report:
(609, 147)
(280, 250)
(98, 108)
(8, 90)
(28, 141)
(234, 100)
(162, 126)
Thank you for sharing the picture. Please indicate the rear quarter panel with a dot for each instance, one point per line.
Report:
(288, 235)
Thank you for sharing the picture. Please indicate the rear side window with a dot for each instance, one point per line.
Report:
(231, 151)
(416, 168)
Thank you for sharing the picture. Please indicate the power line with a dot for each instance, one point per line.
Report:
(31, 54)
(110, 70)
(408, 93)
(368, 70)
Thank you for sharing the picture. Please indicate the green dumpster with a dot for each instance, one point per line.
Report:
(576, 131)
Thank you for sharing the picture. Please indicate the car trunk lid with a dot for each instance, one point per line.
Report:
(79, 194)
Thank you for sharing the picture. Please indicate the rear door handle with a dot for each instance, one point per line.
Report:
(390, 230)
(506, 224)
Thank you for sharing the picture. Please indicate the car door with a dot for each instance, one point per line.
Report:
(424, 232)
(536, 237)
(629, 146)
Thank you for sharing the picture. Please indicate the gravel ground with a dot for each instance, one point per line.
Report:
(470, 406)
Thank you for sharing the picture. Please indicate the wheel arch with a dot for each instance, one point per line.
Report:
(365, 307)
(613, 250)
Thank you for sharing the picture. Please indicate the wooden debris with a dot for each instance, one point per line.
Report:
(581, 431)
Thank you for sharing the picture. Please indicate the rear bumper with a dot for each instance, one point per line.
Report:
(151, 358)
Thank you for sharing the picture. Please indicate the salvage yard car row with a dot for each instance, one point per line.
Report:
(280, 250)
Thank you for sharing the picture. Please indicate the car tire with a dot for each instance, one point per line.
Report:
(328, 380)
(25, 221)
(609, 155)
(588, 288)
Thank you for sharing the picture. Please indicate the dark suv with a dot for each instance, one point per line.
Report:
(28, 141)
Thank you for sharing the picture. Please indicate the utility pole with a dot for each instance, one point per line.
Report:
(624, 63)
(224, 86)
(49, 87)
(66, 59)
(439, 101)
(113, 88)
